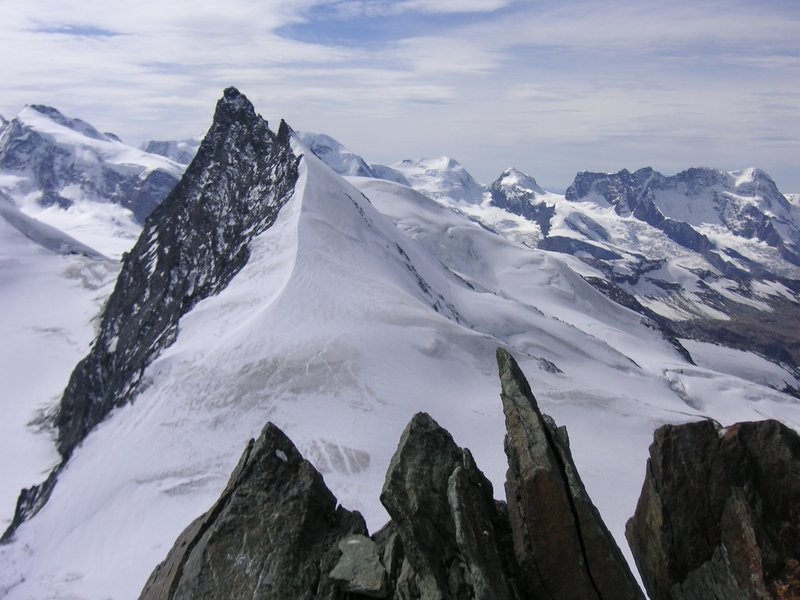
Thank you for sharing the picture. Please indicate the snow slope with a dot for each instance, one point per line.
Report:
(351, 315)
(51, 287)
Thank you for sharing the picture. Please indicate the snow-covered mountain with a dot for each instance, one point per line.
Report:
(441, 178)
(269, 287)
(66, 173)
(708, 254)
(180, 151)
(335, 155)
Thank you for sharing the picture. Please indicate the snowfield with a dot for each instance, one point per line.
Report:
(364, 303)
(52, 288)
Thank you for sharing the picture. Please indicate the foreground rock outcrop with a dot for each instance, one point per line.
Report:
(563, 547)
(274, 533)
(277, 533)
(718, 518)
(719, 514)
(453, 537)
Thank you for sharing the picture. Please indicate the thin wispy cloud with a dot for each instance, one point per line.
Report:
(552, 87)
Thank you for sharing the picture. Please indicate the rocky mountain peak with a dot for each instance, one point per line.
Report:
(513, 178)
(191, 247)
(234, 107)
(517, 192)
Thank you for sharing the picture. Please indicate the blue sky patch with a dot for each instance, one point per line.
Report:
(77, 30)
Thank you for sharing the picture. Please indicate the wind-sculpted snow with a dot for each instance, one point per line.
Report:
(333, 154)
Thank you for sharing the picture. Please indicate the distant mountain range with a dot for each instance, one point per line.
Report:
(269, 275)
(68, 174)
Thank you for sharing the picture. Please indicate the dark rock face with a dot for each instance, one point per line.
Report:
(516, 192)
(274, 533)
(563, 548)
(445, 519)
(191, 248)
(719, 514)
(51, 167)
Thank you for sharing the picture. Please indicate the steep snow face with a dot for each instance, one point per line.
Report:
(441, 178)
(66, 173)
(51, 288)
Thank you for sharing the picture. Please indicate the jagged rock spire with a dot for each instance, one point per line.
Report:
(446, 519)
(563, 548)
(191, 247)
(273, 533)
(718, 514)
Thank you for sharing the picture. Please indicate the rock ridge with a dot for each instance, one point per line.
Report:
(719, 513)
(718, 518)
(448, 537)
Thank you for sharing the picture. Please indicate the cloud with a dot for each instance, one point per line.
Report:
(564, 85)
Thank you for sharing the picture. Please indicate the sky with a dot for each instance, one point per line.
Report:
(551, 87)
